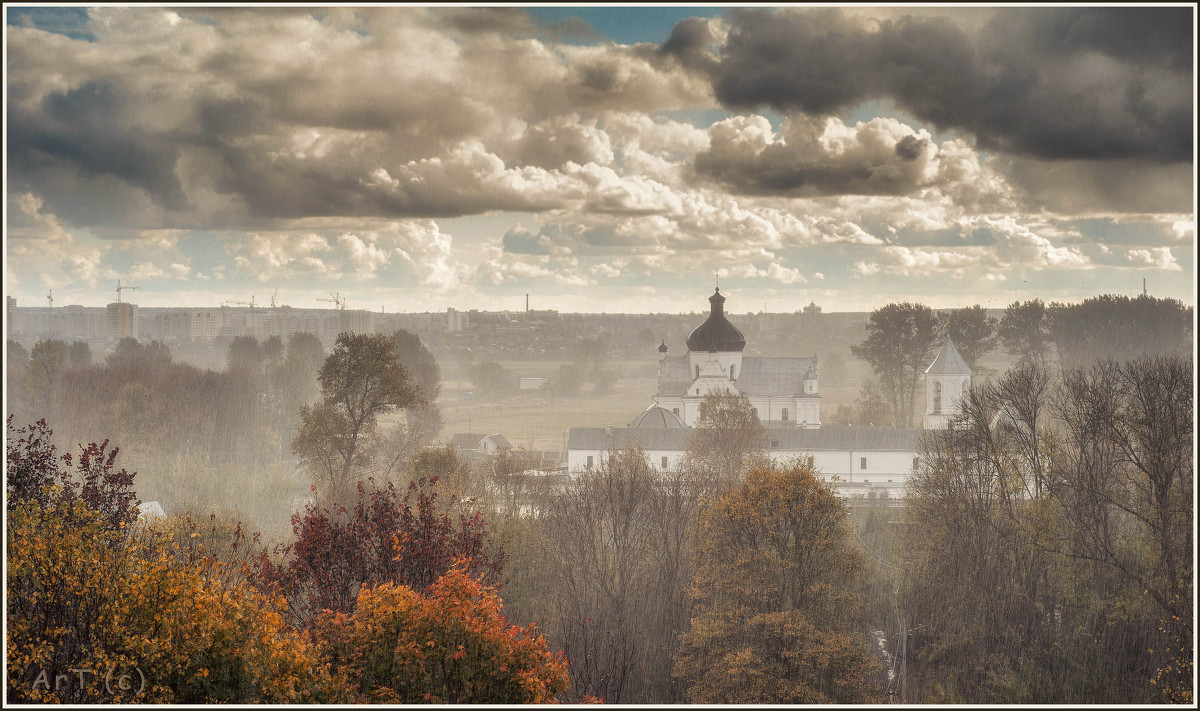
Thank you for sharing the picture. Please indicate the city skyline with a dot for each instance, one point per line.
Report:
(600, 159)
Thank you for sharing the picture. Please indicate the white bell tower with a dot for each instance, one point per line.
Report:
(947, 380)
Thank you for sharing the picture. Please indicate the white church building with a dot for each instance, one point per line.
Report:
(863, 462)
(782, 390)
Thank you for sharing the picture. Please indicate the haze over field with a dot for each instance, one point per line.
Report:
(601, 159)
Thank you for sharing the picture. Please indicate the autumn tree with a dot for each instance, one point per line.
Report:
(88, 593)
(448, 645)
(901, 338)
(774, 562)
(385, 537)
(1024, 331)
(972, 330)
(360, 381)
(728, 435)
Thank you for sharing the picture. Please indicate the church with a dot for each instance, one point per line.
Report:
(862, 462)
(782, 390)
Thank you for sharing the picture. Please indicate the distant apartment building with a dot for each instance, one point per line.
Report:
(121, 321)
(457, 321)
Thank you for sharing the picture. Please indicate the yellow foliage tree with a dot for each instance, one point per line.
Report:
(772, 607)
(103, 615)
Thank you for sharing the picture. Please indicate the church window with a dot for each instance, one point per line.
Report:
(697, 371)
(731, 373)
(862, 463)
(937, 396)
(664, 462)
(589, 462)
(785, 414)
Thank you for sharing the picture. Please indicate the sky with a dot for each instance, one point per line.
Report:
(599, 159)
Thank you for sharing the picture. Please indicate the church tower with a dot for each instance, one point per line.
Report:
(946, 382)
(714, 357)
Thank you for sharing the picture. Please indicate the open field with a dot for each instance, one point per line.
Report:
(537, 420)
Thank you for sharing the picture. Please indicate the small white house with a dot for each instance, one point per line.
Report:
(480, 444)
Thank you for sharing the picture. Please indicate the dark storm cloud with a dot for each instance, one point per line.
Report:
(1052, 83)
(88, 130)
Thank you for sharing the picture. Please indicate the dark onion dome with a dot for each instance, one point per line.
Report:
(663, 347)
(657, 417)
(716, 334)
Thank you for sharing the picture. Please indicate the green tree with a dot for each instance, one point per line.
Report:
(424, 420)
(870, 408)
(360, 381)
(47, 363)
(1024, 331)
(900, 341)
(1119, 328)
(728, 436)
(774, 562)
(491, 377)
(17, 376)
(79, 354)
(972, 330)
(245, 353)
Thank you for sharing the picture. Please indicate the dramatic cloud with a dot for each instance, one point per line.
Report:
(1060, 83)
(823, 156)
(434, 156)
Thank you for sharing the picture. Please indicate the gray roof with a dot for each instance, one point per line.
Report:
(595, 438)
(473, 441)
(948, 362)
(835, 438)
(844, 438)
(758, 376)
(774, 376)
(656, 417)
(673, 376)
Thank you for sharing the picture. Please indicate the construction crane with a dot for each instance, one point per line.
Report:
(123, 288)
(50, 297)
(249, 303)
(337, 300)
(273, 304)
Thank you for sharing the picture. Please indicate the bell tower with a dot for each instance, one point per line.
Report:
(947, 380)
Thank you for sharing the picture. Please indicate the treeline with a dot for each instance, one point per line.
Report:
(1046, 552)
(205, 440)
(902, 339)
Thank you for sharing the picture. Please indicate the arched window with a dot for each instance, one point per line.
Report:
(937, 396)
(731, 375)
(697, 371)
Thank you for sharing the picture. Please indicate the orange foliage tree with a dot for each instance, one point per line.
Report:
(449, 645)
(772, 607)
